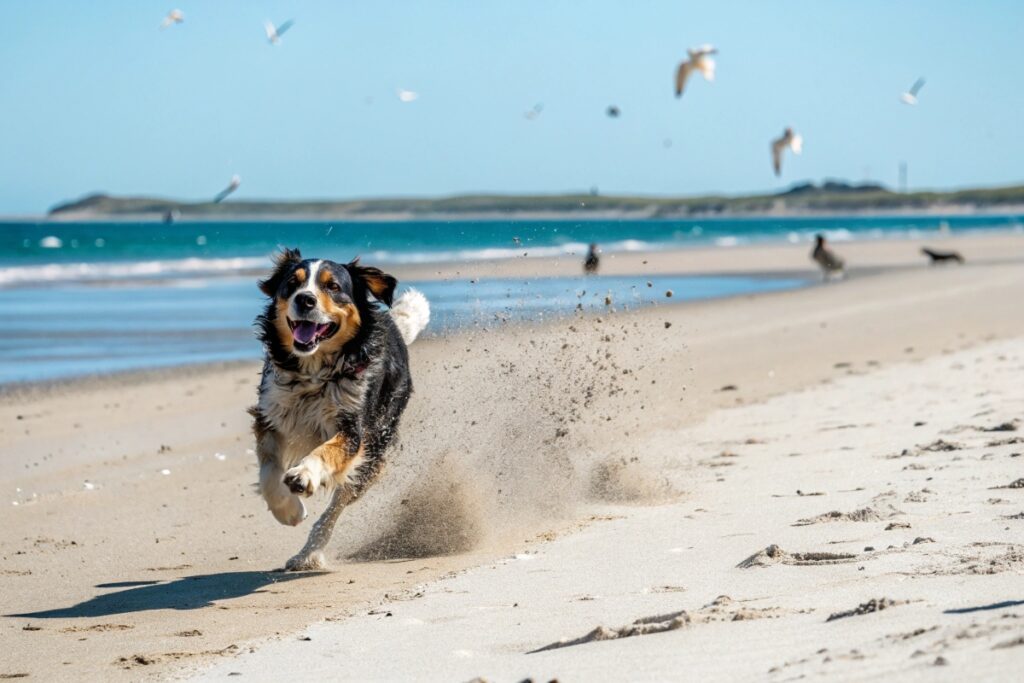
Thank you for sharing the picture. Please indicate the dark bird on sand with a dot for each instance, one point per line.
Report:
(942, 256)
(593, 260)
(830, 264)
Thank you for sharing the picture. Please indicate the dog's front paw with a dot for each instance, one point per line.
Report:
(306, 563)
(302, 480)
(290, 511)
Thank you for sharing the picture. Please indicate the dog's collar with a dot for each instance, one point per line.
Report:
(354, 365)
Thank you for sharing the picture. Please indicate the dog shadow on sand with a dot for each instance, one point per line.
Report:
(186, 593)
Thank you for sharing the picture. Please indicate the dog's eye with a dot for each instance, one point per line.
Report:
(332, 287)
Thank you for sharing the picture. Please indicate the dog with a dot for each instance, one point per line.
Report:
(941, 256)
(830, 264)
(334, 385)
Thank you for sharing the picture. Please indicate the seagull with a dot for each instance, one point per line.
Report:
(274, 33)
(613, 112)
(533, 113)
(175, 16)
(789, 139)
(698, 61)
(830, 264)
(910, 97)
(236, 180)
(407, 95)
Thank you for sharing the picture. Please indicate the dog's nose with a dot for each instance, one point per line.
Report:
(305, 301)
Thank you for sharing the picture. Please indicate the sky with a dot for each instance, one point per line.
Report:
(95, 97)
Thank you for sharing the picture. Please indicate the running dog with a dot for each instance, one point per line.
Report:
(335, 383)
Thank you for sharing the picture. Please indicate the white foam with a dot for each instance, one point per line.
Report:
(127, 270)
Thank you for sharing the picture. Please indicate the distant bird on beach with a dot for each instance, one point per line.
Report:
(789, 139)
(593, 260)
(175, 16)
(910, 97)
(613, 112)
(826, 259)
(274, 33)
(941, 256)
(534, 112)
(407, 95)
(236, 180)
(699, 60)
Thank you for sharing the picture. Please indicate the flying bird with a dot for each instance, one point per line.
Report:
(175, 16)
(274, 33)
(407, 95)
(699, 60)
(789, 139)
(236, 180)
(910, 97)
(532, 113)
(613, 112)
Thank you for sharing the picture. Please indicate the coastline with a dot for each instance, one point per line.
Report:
(142, 557)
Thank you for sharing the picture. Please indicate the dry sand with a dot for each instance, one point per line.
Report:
(115, 570)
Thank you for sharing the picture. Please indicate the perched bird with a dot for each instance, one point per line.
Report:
(591, 263)
(910, 97)
(274, 33)
(175, 16)
(699, 61)
(407, 95)
(826, 259)
(613, 112)
(789, 139)
(941, 256)
(535, 112)
(232, 186)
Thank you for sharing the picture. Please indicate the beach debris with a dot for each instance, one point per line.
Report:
(700, 60)
(773, 554)
(530, 115)
(867, 514)
(667, 324)
(789, 139)
(613, 112)
(274, 33)
(729, 387)
(640, 627)
(192, 633)
(88, 485)
(872, 605)
(30, 627)
(897, 525)
(940, 446)
(1015, 484)
(220, 456)
(236, 181)
(910, 96)
(165, 472)
(1010, 426)
(407, 95)
(175, 16)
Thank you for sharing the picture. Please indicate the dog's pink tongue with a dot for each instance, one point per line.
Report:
(305, 332)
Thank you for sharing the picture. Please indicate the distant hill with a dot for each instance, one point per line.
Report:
(832, 196)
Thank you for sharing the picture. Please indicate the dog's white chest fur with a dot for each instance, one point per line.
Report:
(306, 412)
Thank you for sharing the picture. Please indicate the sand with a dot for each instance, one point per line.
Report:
(566, 469)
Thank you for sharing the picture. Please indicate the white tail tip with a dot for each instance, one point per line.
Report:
(411, 314)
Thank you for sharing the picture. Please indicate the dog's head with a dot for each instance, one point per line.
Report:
(319, 304)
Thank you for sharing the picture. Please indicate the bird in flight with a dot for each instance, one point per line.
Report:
(274, 33)
(407, 95)
(236, 180)
(175, 16)
(789, 139)
(910, 97)
(533, 113)
(699, 60)
(613, 112)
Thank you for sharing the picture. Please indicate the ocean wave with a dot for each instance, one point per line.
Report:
(126, 270)
(497, 253)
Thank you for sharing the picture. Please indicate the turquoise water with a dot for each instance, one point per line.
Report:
(85, 298)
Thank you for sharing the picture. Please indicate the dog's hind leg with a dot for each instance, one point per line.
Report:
(312, 554)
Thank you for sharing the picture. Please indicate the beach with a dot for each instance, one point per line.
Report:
(622, 467)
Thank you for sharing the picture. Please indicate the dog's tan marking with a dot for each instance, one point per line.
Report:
(284, 333)
(300, 275)
(329, 464)
(346, 316)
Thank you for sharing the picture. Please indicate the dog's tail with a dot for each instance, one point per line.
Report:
(411, 314)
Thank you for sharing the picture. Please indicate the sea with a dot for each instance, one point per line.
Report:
(92, 298)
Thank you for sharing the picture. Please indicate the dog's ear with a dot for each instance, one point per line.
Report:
(380, 284)
(283, 262)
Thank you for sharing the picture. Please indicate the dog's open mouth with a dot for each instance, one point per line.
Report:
(306, 334)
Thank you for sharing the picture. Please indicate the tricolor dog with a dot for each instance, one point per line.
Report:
(335, 382)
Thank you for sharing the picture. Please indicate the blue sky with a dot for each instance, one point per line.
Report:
(95, 97)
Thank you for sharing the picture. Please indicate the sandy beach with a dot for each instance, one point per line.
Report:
(845, 447)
